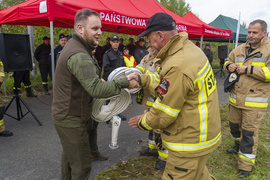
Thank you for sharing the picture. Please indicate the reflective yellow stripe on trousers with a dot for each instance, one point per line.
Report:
(1, 122)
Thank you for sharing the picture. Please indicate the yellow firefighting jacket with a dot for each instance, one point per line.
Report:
(130, 62)
(2, 75)
(186, 110)
(149, 66)
(253, 88)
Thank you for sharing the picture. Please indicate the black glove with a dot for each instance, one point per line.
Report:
(158, 141)
(139, 97)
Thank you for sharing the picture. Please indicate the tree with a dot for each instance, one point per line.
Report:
(179, 7)
(7, 3)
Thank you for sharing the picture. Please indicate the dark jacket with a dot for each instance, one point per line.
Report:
(112, 60)
(208, 54)
(131, 48)
(140, 52)
(42, 53)
(57, 51)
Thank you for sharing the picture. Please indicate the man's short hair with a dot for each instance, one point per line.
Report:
(82, 15)
(261, 22)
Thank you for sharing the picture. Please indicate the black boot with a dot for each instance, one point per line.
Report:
(16, 90)
(148, 152)
(46, 89)
(243, 174)
(6, 133)
(160, 165)
(234, 149)
(29, 92)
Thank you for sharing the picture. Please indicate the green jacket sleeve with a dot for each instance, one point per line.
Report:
(82, 67)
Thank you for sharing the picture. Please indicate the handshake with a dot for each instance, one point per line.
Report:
(133, 81)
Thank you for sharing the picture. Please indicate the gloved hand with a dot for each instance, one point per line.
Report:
(139, 97)
(158, 141)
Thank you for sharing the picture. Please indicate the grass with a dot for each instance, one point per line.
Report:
(220, 164)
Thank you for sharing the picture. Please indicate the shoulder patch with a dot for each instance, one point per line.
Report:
(163, 86)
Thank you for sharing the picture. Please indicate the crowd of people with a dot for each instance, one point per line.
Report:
(183, 117)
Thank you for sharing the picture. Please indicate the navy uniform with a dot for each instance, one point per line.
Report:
(112, 59)
(42, 54)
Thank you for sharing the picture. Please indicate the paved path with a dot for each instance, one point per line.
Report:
(34, 152)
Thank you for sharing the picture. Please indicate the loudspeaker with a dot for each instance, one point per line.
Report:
(15, 52)
(222, 52)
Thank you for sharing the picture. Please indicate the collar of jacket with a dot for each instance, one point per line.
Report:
(264, 41)
(88, 46)
(174, 45)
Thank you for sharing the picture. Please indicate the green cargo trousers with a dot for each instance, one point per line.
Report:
(76, 155)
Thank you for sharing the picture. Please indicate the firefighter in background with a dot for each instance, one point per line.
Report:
(3, 131)
(148, 65)
(250, 95)
(129, 59)
(19, 77)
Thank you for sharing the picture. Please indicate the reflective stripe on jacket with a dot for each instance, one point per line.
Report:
(253, 89)
(186, 109)
(149, 66)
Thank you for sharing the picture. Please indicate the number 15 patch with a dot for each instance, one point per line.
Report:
(163, 86)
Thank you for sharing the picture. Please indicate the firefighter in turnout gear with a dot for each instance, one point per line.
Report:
(19, 77)
(186, 109)
(249, 96)
(3, 131)
(149, 66)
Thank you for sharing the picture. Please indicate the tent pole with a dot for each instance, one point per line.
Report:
(201, 42)
(32, 48)
(229, 46)
(52, 51)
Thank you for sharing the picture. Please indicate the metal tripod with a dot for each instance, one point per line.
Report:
(222, 73)
(20, 114)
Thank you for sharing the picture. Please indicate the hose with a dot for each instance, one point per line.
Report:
(103, 111)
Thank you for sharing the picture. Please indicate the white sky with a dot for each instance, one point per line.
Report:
(208, 10)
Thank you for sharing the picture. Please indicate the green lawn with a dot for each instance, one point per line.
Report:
(220, 164)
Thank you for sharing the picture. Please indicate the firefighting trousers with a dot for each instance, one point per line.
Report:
(2, 112)
(21, 76)
(244, 125)
(162, 152)
(76, 155)
(186, 168)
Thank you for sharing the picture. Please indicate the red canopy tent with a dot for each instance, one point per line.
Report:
(207, 30)
(120, 16)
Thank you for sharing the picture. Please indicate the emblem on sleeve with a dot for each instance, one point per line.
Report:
(163, 86)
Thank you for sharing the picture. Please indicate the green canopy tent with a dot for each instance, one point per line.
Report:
(225, 22)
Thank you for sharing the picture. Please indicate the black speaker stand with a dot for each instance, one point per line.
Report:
(20, 114)
(222, 73)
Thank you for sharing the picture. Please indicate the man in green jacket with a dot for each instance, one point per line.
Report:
(77, 82)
